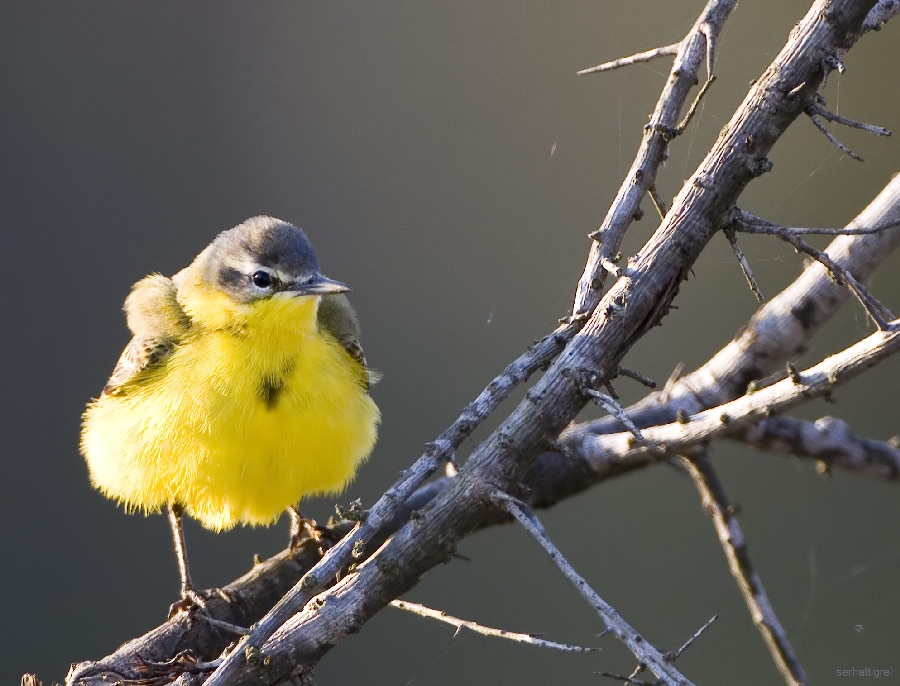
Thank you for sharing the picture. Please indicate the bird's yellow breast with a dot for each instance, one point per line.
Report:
(251, 411)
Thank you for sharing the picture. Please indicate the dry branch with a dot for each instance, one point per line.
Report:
(636, 302)
(878, 312)
(689, 431)
(530, 639)
(648, 656)
(653, 151)
(829, 441)
(653, 277)
(637, 58)
(778, 330)
(731, 538)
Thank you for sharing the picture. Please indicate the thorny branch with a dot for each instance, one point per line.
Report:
(530, 639)
(595, 339)
(777, 331)
(878, 312)
(648, 656)
(829, 440)
(688, 431)
(653, 151)
(731, 538)
(673, 655)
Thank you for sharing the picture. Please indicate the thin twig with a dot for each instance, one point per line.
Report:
(630, 679)
(228, 626)
(818, 107)
(692, 110)
(834, 141)
(818, 231)
(636, 376)
(646, 654)
(612, 406)
(750, 223)
(744, 264)
(675, 654)
(530, 639)
(637, 58)
(709, 33)
(880, 315)
(731, 537)
(658, 202)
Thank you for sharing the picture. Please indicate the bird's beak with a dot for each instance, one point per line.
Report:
(319, 285)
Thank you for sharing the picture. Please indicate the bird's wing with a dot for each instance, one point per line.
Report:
(157, 323)
(338, 318)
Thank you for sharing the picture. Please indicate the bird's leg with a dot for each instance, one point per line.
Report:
(189, 596)
(302, 529)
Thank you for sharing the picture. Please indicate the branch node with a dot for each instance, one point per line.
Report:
(793, 373)
(611, 267)
(759, 166)
(833, 63)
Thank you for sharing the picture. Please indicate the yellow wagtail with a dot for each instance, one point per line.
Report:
(243, 389)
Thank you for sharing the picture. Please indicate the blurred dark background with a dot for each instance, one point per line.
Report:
(447, 162)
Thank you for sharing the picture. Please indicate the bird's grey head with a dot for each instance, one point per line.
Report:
(261, 257)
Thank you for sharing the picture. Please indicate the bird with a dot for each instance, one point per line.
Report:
(243, 389)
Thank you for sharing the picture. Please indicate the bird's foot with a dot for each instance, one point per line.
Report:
(302, 530)
(193, 600)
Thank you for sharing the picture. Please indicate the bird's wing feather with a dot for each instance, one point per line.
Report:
(157, 323)
(338, 318)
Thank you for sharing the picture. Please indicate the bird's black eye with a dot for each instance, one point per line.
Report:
(261, 279)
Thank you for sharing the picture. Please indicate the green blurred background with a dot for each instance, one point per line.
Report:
(447, 162)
